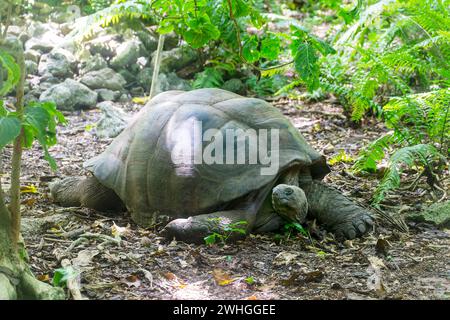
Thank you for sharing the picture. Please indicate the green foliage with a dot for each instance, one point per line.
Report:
(39, 119)
(208, 78)
(62, 275)
(305, 50)
(391, 48)
(294, 227)
(224, 231)
(12, 73)
(419, 154)
(420, 136)
(220, 29)
(9, 129)
(39, 123)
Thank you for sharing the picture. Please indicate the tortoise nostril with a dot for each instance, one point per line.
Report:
(289, 191)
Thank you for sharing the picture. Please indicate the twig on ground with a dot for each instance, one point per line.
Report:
(73, 284)
(89, 235)
(396, 222)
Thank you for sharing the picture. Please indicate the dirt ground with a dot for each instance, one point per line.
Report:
(386, 264)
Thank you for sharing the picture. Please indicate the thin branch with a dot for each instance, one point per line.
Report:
(157, 65)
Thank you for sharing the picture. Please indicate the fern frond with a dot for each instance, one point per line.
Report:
(405, 157)
(374, 153)
(208, 78)
(289, 87)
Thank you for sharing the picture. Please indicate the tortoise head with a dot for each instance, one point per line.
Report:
(290, 202)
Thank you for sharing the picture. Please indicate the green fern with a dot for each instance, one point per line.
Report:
(208, 78)
(407, 157)
(375, 152)
(421, 134)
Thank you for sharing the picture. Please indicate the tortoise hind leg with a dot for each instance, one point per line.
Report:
(85, 192)
(337, 212)
(231, 225)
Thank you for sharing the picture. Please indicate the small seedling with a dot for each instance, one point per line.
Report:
(62, 275)
(295, 227)
(225, 231)
(250, 280)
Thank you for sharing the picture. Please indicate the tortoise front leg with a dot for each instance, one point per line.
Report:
(337, 212)
(194, 229)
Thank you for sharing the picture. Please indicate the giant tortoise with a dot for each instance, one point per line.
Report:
(151, 170)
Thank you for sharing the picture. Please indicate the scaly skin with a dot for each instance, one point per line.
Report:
(335, 211)
(85, 192)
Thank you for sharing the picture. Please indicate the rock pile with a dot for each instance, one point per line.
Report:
(108, 66)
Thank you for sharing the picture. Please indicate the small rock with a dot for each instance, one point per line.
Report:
(107, 95)
(94, 63)
(32, 55)
(234, 85)
(113, 120)
(176, 59)
(55, 64)
(127, 53)
(105, 78)
(171, 81)
(70, 95)
(45, 43)
(437, 214)
(124, 98)
(104, 45)
(137, 91)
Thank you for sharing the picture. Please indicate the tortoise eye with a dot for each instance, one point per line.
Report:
(289, 191)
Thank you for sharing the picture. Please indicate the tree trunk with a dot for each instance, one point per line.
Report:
(16, 279)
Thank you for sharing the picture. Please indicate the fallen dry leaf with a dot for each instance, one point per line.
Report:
(43, 277)
(285, 258)
(375, 280)
(132, 281)
(29, 189)
(222, 278)
(84, 258)
(120, 231)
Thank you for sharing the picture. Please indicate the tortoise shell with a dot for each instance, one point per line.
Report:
(142, 165)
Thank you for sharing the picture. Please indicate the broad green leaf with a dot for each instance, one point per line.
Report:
(211, 239)
(305, 62)
(9, 130)
(270, 47)
(200, 31)
(250, 49)
(3, 111)
(321, 45)
(62, 275)
(13, 72)
(208, 78)
(165, 27)
(240, 8)
(250, 280)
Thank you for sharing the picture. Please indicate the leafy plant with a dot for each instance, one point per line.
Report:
(293, 228)
(20, 125)
(219, 29)
(420, 138)
(224, 230)
(62, 275)
(390, 48)
(208, 78)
